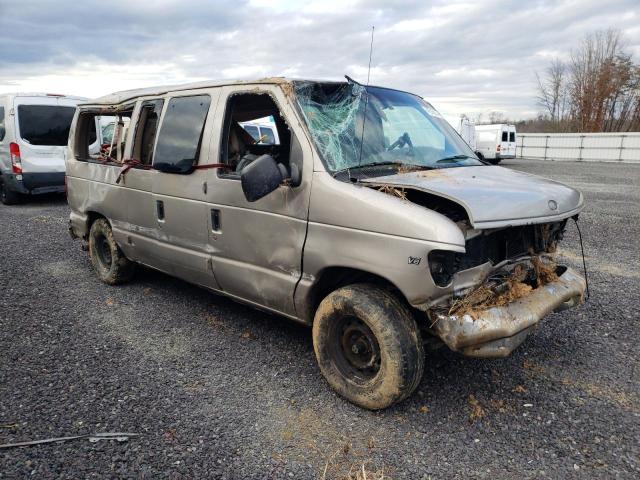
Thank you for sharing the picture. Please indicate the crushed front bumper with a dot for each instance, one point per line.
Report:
(499, 330)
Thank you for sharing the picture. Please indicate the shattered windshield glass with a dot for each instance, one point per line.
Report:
(398, 129)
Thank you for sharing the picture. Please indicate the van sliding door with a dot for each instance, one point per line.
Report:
(179, 208)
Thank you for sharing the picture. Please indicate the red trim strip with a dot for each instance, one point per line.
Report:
(212, 165)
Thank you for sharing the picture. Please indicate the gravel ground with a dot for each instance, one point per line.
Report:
(219, 390)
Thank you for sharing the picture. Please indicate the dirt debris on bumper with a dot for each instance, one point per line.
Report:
(497, 331)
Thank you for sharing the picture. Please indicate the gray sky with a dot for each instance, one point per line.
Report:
(464, 57)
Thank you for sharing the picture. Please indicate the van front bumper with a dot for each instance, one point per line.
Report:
(35, 183)
(497, 331)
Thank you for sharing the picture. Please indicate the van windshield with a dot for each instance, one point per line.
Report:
(399, 128)
(45, 124)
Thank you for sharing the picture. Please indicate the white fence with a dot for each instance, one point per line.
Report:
(588, 147)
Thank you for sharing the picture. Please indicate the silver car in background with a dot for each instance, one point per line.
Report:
(370, 220)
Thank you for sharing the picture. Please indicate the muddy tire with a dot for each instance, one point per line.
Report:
(368, 346)
(8, 197)
(108, 260)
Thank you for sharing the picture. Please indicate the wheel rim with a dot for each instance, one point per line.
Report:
(355, 351)
(103, 252)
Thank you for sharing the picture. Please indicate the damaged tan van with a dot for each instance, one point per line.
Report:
(369, 219)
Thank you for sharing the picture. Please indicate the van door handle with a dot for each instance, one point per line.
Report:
(160, 210)
(215, 219)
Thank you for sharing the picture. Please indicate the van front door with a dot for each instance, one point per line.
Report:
(258, 246)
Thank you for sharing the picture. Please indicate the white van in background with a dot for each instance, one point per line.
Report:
(465, 127)
(34, 132)
(495, 142)
(263, 131)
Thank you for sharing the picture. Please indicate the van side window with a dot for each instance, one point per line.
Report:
(181, 134)
(239, 145)
(505, 136)
(512, 136)
(146, 130)
(2, 128)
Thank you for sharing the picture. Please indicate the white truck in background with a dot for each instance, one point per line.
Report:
(495, 142)
(465, 127)
(263, 131)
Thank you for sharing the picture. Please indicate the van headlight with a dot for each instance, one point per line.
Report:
(441, 266)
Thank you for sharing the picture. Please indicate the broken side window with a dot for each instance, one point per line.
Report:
(87, 146)
(146, 129)
(241, 144)
(101, 135)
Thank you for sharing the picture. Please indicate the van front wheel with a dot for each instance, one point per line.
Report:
(108, 260)
(368, 346)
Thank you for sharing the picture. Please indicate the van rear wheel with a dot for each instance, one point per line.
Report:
(108, 260)
(368, 346)
(7, 196)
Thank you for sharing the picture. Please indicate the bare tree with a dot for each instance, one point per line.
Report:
(496, 117)
(598, 90)
(604, 85)
(552, 90)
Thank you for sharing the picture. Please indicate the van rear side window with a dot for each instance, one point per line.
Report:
(512, 136)
(113, 128)
(45, 124)
(181, 133)
(505, 136)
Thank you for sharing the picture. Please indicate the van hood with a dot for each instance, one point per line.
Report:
(493, 196)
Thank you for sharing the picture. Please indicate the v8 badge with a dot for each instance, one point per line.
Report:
(415, 260)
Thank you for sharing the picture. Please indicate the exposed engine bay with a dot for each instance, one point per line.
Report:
(497, 247)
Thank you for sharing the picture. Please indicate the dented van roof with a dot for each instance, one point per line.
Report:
(123, 96)
(126, 95)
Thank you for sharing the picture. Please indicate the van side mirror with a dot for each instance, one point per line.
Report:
(261, 177)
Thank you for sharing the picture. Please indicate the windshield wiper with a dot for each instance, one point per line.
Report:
(412, 166)
(453, 158)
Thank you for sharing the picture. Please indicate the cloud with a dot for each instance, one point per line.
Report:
(464, 57)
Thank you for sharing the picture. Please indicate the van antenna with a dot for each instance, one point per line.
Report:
(366, 98)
